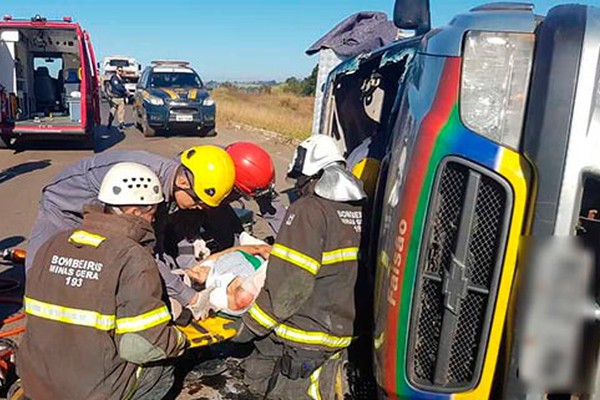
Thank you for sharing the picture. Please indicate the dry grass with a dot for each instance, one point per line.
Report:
(284, 113)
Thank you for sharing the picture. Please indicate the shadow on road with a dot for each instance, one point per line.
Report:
(11, 241)
(104, 139)
(23, 168)
(107, 138)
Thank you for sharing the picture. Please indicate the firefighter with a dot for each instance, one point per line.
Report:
(202, 178)
(97, 327)
(117, 96)
(255, 179)
(302, 321)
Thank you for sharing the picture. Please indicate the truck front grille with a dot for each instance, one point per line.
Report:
(458, 275)
(184, 110)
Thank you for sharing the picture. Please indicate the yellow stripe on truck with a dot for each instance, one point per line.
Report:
(171, 94)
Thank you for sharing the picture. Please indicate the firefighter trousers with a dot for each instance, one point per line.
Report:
(154, 382)
(327, 382)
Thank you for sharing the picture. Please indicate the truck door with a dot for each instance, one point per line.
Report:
(94, 99)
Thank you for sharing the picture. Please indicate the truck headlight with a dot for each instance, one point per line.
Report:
(155, 101)
(495, 82)
(208, 102)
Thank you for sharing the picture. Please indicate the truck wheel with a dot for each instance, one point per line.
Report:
(209, 131)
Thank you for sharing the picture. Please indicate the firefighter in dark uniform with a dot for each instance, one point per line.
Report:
(255, 180)
(97, 325)
(303, 318)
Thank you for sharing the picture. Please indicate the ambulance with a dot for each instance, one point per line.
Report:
(49, 68)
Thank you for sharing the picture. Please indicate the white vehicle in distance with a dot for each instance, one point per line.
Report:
(131, 71)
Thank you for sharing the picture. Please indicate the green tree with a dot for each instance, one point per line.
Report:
(304, 87)
(309, 84)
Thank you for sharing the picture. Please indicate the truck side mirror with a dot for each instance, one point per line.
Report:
(413, 15)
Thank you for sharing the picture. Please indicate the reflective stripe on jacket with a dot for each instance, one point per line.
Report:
(308, 298)
(95, 309)
(61, 205)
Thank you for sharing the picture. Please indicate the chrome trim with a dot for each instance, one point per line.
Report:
(584, 137)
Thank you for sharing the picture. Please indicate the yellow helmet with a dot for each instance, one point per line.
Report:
(213, 171)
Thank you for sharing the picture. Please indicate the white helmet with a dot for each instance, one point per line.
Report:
(313, 155)
(130, 184)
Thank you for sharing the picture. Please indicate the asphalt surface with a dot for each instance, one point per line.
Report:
(25, 170)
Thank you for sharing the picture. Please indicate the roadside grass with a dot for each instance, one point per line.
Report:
(284, 113)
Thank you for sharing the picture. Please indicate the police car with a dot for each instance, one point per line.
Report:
(171, 96)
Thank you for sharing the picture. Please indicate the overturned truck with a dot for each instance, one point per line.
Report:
(474, 137)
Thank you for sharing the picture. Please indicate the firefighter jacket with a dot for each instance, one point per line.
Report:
(308, 297)
(61, 205)
(95, 312)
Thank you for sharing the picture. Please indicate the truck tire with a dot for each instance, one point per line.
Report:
(209, 131)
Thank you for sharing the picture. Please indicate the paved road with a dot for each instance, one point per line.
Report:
(25, 171)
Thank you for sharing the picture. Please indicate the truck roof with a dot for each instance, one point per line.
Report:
(119, 57)
(172, 69)
(39, 22)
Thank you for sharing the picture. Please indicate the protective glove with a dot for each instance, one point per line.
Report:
(201, 307)
(201, 251)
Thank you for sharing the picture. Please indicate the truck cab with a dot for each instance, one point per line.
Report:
(50, 68)
(131, 71)
(491, 138)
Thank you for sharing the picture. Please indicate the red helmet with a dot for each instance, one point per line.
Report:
(254, 170)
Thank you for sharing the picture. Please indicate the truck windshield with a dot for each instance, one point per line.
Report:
(118, 63)
(175, 79)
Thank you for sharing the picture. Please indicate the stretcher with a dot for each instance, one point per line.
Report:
(209, 331)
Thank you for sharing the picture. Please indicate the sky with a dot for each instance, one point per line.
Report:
(223, 39)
